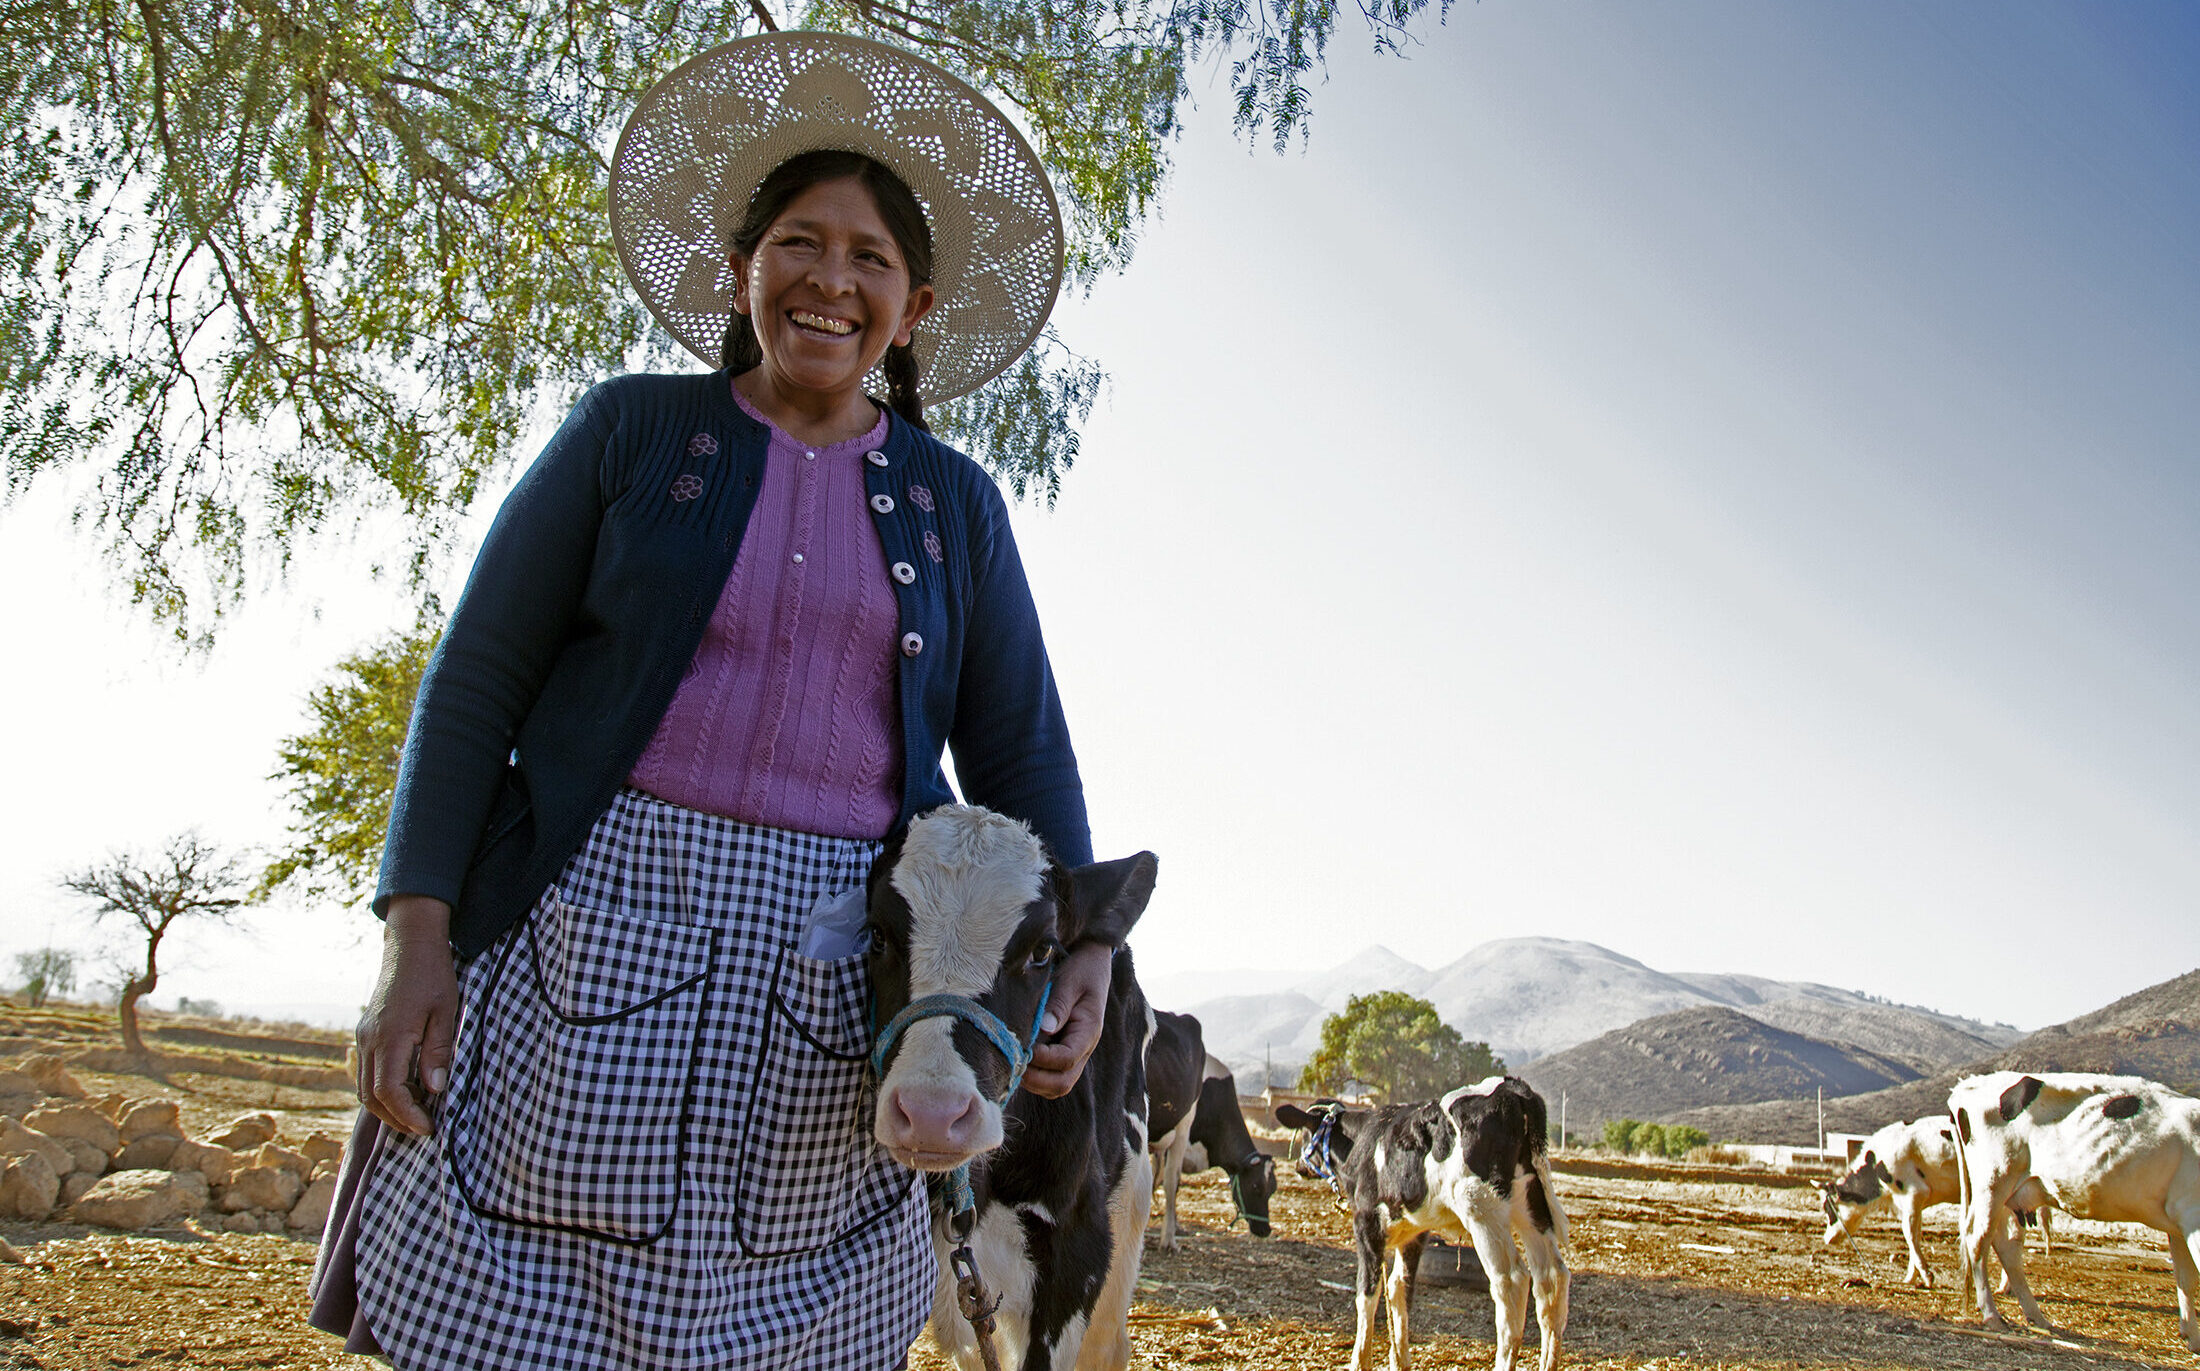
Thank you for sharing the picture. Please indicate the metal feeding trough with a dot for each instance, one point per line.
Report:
(1450, 1267)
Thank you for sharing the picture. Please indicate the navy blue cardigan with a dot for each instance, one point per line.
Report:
(589, 599)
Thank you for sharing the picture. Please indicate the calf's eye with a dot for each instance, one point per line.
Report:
(1043, 956)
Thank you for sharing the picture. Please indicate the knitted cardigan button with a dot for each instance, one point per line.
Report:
(877, 459)
(884, 504)
(912, 644)
(905, 573)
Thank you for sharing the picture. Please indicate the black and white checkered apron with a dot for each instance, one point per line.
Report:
(656, 1148)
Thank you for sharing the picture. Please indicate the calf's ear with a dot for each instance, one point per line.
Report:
(1291, 1116)
(1106, 898)
(2016, 1097)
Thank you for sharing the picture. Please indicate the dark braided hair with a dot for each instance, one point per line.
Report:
(904, 218)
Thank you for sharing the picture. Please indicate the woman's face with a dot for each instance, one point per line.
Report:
(828, 290)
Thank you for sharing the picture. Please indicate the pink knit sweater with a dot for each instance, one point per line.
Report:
(787, 715)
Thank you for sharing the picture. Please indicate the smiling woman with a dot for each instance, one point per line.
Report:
(705, 665)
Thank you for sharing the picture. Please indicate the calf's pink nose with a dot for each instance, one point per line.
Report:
(931, 1119)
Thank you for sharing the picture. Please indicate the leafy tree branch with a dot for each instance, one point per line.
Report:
(273, 265)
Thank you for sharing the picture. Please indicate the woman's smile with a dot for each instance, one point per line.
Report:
(818, 323)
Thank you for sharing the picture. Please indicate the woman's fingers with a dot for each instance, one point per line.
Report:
(405, 1038)
(435, 1047)
(393, 1101)
(1073, 1017)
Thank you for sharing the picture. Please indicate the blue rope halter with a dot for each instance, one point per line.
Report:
(1016, 1049)
(1318, 1156)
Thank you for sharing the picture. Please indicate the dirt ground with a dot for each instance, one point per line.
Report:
(1667, 1274)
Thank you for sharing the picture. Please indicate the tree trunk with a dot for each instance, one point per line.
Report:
(126, 1012)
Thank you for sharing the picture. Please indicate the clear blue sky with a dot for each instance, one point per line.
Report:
(1720, 481)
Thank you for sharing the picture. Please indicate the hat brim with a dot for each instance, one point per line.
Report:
(704, 136)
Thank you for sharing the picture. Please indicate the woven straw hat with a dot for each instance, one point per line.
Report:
(705, 135)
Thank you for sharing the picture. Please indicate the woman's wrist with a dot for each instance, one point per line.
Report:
(416, 919)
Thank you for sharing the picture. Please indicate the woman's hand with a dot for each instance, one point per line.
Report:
(1071, 1028)
(405, 1035)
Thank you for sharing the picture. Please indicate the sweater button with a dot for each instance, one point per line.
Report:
(912, 644)
(884, 504)
(905, 573)
(877, 459)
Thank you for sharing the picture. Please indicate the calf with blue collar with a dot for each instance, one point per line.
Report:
(1472, 1166)
(1043, 1200)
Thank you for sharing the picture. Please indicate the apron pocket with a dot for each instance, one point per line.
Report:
(811, 1173)
(568, 1102)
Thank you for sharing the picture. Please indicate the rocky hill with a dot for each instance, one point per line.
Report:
(2153, 1033)
(1530, 997)
(1703, 1056)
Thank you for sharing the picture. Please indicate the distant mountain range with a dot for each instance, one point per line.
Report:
(2153, 1033)
(1709, 1055)
(1531, 997)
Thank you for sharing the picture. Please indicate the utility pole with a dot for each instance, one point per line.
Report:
(1821, 1118)
(1562, 1118)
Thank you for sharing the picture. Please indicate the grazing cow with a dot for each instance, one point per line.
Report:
(969, 917)
(1220, 1138)
(2116, 1148)
(1914, 1166)
(1194, 1122)
(1472, 1166)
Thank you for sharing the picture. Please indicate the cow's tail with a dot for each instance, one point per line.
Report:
(1543, 1205)
(1964, 1187)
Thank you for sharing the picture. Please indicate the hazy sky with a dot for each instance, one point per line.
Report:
(1720, 481)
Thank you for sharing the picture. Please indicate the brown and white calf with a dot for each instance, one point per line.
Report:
(1912, 1166)
(1472, 1166)
(1193, 1121)
(968, 907)
(2117, 1148)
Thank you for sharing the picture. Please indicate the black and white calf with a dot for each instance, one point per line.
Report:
(1912, 1166)
(1472, 1166)
(1194, 1122)
(969, 918)
(2117, 1148)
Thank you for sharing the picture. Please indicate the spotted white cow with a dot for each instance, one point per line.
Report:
(2117, 1148)
(1912, 1166)
(969, 917)
(1472, 1166)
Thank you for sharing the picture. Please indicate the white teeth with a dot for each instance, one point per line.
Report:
(819, 321)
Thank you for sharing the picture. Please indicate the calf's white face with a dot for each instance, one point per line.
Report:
(968, 904)
(964, 908)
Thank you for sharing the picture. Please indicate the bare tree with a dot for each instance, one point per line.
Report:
(188, 878)
(46, 972)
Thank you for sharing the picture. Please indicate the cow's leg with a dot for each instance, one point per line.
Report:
(1367, 1241)
(1173, 1148)
(2047, 1230)
(1508, 1282)
(1980, 1217)
(2008, 1239)
(1405, 1259)
(1911, 1213)
(2184, 1261)
(1552, 1283)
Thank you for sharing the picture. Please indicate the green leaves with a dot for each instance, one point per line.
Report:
(341, 774)
(273, 266)
(1395, 1045)
(1674, 1141)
